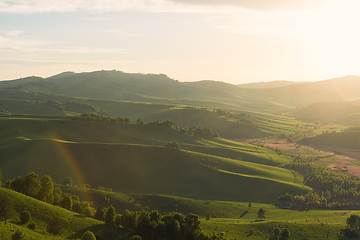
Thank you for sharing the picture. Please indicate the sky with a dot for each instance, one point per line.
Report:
(235, 41)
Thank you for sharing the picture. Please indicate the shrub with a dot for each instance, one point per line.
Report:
(18, 235)
(88, 235)
(136, 237)
(54, 225)
(25, 217)
(31, 226)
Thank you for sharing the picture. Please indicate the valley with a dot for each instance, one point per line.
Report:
(145, 142)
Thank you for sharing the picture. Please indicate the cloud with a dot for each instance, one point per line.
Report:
(94, 6)
(13, 33)
(263, 5)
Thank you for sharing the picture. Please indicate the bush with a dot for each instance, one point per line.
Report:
(31, 226)
(18, 235)
(174, 145)
(88, 235)
(54, 225)
(136, 237)
(25, 217)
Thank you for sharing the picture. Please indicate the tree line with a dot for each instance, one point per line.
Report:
(192, 131)
(333, 190)
(143, 224)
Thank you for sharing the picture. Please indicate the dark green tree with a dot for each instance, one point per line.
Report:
(127, 120)
(25, 216)
(261, 213)
(46, 192)
(353, 221)
(110, 215)
(31, 184)
(174, 145)
(67, 202)
(128, 220)
(68, 181)
(18, 235)
(54, 225)
(277, 232)
(18, 185)
(139, 121)
(100, 213)
(208, 216)
(285, 234)
(88, 235)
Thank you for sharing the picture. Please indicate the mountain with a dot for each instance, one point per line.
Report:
(272, 84)
(158, 88)
(347, 113)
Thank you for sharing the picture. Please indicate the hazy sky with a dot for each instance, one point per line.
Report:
(234, 41)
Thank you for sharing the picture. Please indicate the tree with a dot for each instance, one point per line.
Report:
(136, 237)
(261, 213)
(139, 121)
(67, 202)
(353, 221)
(88, 235)
(54, 225)
(110, 216)
(100, 213)
(18, 235)
(25, 216)
(277, 231)
(208, 216)
(285, 234)
(46, 192)
(128, 220)
(6, 208)
(174, 145)
(18, 185)
(68, 181)
(127, 120)
(31, 184)
(0, 178)
(249, 204)
(118, 220)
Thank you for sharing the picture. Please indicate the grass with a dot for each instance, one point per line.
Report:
(73, 224)
(345, 139)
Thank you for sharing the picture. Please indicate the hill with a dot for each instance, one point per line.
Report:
(271, 84)
(159, 88)
(110, 154)
(73, 224)
(346, 113)
(346, 140)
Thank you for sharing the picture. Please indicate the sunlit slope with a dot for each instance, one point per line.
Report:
(347, 139)
(146, 169)
(73, 224)
(347, 113)
(86, 131)
(158, 88)
(15, 130)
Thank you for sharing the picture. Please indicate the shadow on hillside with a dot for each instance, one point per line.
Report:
(244, 213)
(79, 216)
(101, 231)
(258, 220)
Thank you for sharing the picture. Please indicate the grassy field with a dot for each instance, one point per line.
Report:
(110, 154)
(73, 224)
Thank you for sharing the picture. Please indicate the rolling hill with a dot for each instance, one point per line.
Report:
(131, 158)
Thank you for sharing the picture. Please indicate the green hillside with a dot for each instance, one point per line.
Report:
(73, 224)
(346, 139)
(347, 113)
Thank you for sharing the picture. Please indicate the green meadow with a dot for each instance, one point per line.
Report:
(217, 175)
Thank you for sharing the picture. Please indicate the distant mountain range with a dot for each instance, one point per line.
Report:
(272, 84)
(271, 97)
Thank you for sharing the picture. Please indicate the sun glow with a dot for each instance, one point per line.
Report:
(331, 33)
